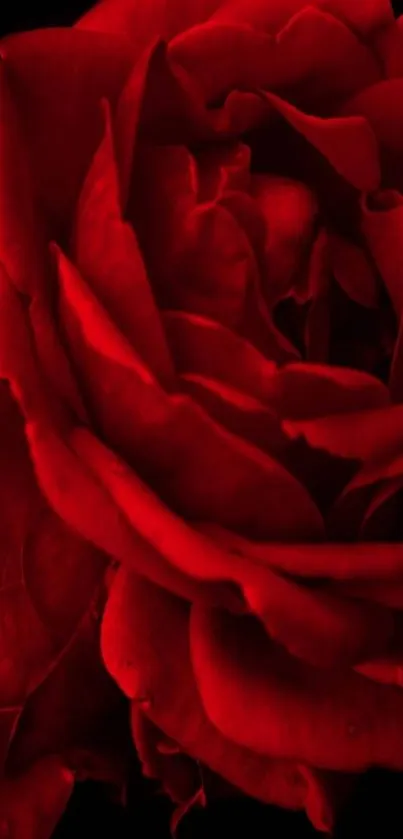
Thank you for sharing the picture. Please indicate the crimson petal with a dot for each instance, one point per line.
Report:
(108, 255)
(161, 18)
(223, 57)
(348, 143)
(205, 347)
(32, 802)
(263, 699)
(153, 667)
(54, 114)
(195, 464)
(366, 17)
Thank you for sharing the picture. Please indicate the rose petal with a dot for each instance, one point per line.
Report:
(161, 18)
(53, 114)
(382, 223)
(367, 435)
(65, 480)
(60, 599)
(379, 103)
(386, 671)
(383, 494)
(180, 544)
(348, 143)
(351, 561)
(108, 255)
(261, 698)
(350, 631)
(353, 271)
(198, 242)
(322, 628)
(18, 360)
(157, 100)
(196, 466)
(365, 17)
(22, 246)
(154, 665)
(289, 210)
(21, 242)
(76, 708)
(37, 615)
(241, 415)
(52, 358)
(389, 48)
(302, 391)
(163, 759)
(387, 593)
(223, 57)
(207, 348)
(32, 803)
(223, 170)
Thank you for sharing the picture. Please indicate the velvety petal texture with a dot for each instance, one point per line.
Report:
(201, 364)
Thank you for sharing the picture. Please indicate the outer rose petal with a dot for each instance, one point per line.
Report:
(150, 660)
(21, 236)
(142, 23)
(348, 562)
(380, 105)
(223, 58)
(32, 803)
(76, 709)
(108, 255)
(366, 17)
(390, 44)
(63, 119)
(370, 436)
(63, 477)
(265, 700)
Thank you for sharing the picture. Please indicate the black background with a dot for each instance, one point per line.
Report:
(377, 806)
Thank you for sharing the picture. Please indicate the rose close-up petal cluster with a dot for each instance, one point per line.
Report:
(201, 402)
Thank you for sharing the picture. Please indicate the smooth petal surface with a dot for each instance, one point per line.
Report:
(205, 347)
(365, 17)
(367, 436)
(299, 391)
(141, 25)
(63, 119)
(151, 662)
(263, 699)
(108, 255)
(363, 561)
(32, 803)
(223, 57)
(23, 255)
(349, 143)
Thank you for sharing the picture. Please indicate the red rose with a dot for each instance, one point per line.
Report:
(201, 292)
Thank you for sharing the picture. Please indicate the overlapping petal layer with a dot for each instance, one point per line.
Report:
(205, 364)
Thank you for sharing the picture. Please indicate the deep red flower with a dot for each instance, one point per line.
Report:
(201, 354)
